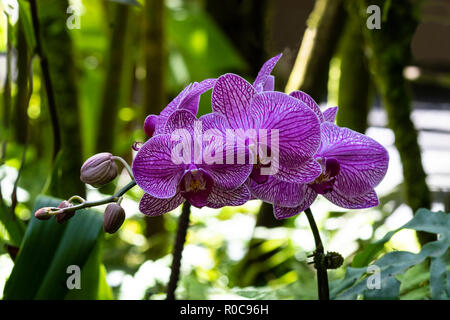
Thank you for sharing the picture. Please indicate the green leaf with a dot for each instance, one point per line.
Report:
(25, 20)
(438, 278)
(396, 263)
(14, 227)
(48, 248)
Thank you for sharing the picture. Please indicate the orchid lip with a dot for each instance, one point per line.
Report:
(325, 182)
(196, 185)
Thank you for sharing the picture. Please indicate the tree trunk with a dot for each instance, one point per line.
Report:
(155, 57)
(113, 78)
(389, 52)
(354, 80)
(155, 96)
(21, 103)
(310, 72)
(58, 50)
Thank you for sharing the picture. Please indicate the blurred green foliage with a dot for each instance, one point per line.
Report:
(217, 262)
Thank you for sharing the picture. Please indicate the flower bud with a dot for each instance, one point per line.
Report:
(99, 169)
(43, 213)
(63, 217)
(113, 218)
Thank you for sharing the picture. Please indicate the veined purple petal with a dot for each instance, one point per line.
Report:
(306, 99)
(363, 161)
(297, 126)
(229, 176)
(330, 114)
(269, 85)
(278, 192)
(152, 206)
(214, 121)
(154, 170)
(220, 197)
(286, 212)
(150, 124)
(195, 187)
(264, 72)
(362, 201)
(231, 98)
(181, 119)
(306, 172)
(191, 100)
(225, 175)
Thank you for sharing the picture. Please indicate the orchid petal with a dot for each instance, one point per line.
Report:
(330, 114)
(225, 175)
(154, 170)
(214, 121)
(269, 85)
(297, 126)
(153, 207)
(309, 101)
(231, 98)
(220, 197)
(181, 119)
(366, 200)
(151, 124)
(363, 161)
(306, 172)
(285, 212)
(191, 100)
(278, 192)
(264, 72)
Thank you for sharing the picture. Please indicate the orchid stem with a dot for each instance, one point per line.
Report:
(87, 204)
(183, 224)
(125, 164)
(319, 255)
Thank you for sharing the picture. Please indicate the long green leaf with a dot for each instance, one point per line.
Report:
(48, 248)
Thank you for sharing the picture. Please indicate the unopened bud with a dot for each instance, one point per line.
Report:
(113, 218)
(63, 217)
(99, 169)
(43, 213)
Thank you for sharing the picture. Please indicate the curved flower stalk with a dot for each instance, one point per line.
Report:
(249, 108)
(352, 165)
(187, 99)
(168, 182)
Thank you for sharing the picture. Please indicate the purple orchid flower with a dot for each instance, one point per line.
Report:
(248, 107)
(187, 99)
(352, 165)
(169, 183)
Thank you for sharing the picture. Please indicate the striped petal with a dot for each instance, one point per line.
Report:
(264, 73)
(154, 170)
(220, 197)
(297, 126)
(285, 212)
(363, 161)
(153, 207)
(306, 99)
(231, 98)
(366, 200)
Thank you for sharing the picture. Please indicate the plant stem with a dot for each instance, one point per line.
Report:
(183, 224)
(126, 165)
(47, 80)
(319, 255)
(114, 198)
